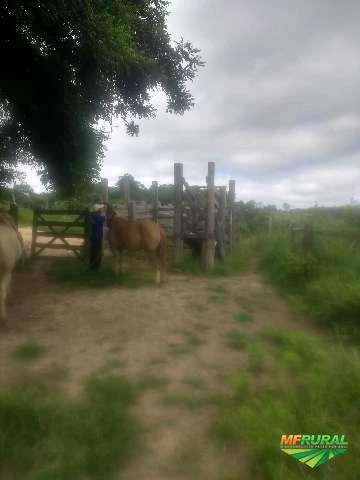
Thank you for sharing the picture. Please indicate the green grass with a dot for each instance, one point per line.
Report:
(243, 317)
(323, 283)
(311, 386)
(44, 436)
(25, 216)
(29, 351)
(71, 272)
(194, 381)
(245, 302)
(237, 340)
(193, 339)
(235, 262)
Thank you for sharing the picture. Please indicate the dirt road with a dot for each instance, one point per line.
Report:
(174, 341)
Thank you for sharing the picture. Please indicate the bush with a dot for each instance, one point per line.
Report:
(333, 300)
(289, 267)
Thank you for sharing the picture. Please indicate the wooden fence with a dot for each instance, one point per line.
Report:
(56, 225)
(200, 213)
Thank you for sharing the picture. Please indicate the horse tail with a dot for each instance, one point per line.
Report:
(162, 253)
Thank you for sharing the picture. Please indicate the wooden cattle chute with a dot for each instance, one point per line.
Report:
(203, 214)
(199, 213)
(58, 228)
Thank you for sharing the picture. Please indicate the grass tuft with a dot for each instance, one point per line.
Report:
(243, 317)
(29, 351)
(70, 272)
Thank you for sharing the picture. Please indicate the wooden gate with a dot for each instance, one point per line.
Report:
(61, 225)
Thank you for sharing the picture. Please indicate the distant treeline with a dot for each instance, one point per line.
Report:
(24, 195)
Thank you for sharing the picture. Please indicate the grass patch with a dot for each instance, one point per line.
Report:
(194, 381)
(235, 262)
(29, 351)
(112, 365)
(325, 282)
(73, 273)
(243, 317)
(245, 303)
(193, 339)
(311, 387)
(43, 436)
(237, 340)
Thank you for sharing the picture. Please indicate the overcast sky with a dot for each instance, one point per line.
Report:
(277, 104)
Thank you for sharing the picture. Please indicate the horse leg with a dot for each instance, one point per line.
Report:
(152, 256)
(4, 288)
(120, 262)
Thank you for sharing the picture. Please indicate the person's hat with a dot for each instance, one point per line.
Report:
(97, 206)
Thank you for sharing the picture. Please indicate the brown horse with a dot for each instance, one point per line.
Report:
(144, 235)
(11, 250)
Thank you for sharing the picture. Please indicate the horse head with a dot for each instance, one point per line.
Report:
(110, 214)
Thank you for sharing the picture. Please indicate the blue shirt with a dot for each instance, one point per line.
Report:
(96, 227)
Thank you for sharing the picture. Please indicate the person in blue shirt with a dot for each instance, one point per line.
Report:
(97, 220)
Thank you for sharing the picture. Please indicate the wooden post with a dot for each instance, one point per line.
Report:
(220, 231)
(155, 201)
(105, 200)
(231, 213)
(132, 211)
(209, 244)
(178, 230)
(34, 232)
(126, 191)
(86, 246)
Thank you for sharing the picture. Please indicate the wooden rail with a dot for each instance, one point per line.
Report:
(59, 230)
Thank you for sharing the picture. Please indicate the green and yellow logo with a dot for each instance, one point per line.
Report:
(313, 450)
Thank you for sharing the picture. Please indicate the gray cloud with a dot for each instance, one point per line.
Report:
(277, 105)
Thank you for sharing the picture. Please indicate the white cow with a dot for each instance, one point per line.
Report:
(11, 250)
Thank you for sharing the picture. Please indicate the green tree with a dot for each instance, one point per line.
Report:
(67, 64)
(137, 190)
(166, 194)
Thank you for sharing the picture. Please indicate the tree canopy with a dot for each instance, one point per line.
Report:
(136, 190)
(67, 64)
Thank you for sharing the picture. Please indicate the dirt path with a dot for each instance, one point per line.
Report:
(173, 341)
